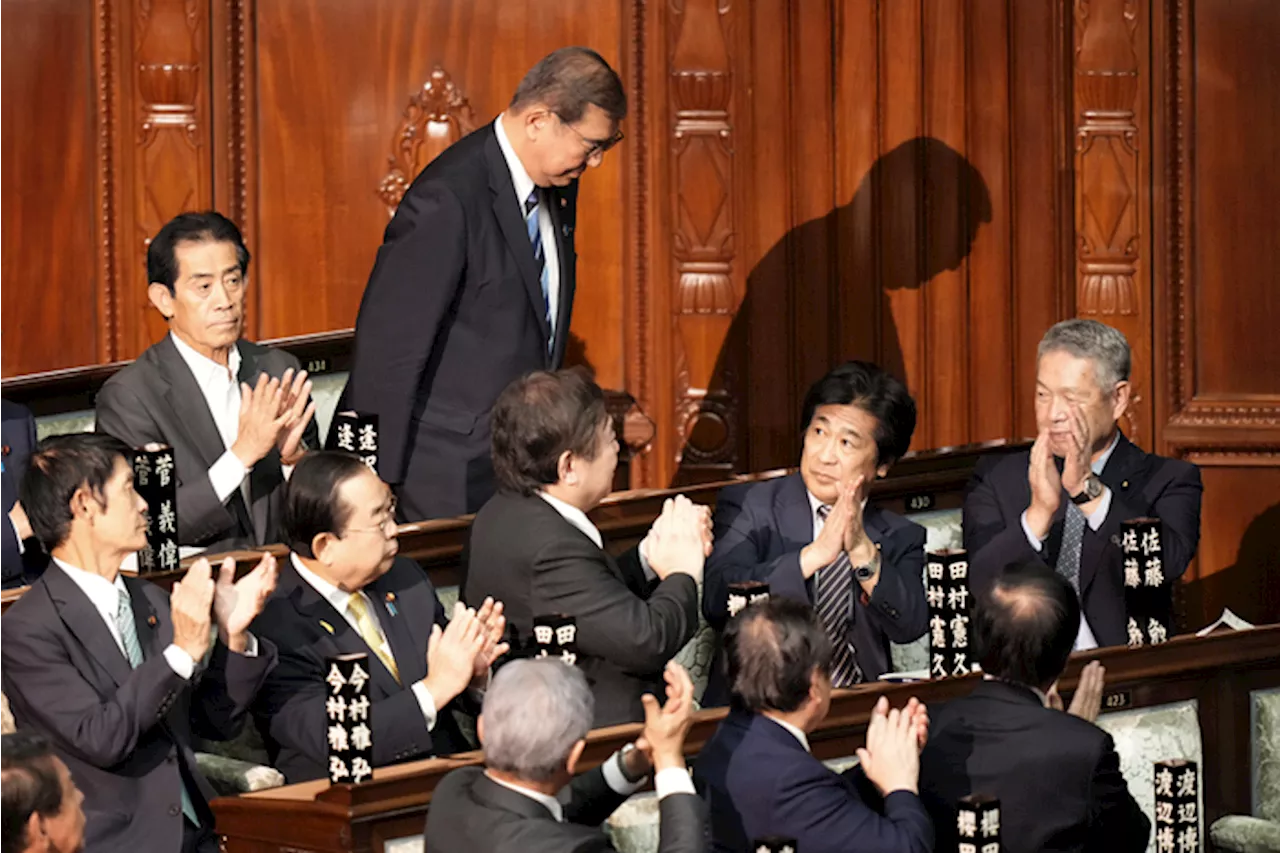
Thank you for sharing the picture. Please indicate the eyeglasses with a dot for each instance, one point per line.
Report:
(387, 527)
(594, 146)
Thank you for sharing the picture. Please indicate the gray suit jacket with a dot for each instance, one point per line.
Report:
(470, 811)
(157, 399)
(124, 733)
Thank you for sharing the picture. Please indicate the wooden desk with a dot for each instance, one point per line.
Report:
(1217, 671)
(932, 479)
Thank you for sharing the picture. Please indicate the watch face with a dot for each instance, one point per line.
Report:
(863, 573)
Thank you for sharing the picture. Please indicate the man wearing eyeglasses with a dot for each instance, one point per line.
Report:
(344, 591)
(473, 285)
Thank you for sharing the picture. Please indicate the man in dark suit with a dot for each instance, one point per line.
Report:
(344, 591)
(473, 285)
(1063, 501)
(1057, 775)
(119, 674)
(23, 557)
(534, 727)
(236, 414)
(812, 537)
(43, 809)
(756, 772)
(533, 547)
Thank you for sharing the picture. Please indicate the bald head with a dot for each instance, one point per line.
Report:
(1025, 625)
(773, 649)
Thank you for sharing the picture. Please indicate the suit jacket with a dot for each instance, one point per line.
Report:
(1141, 484)
(470, 812)
(290, 708)
(758, 780)
(157, 399)
(1057, 776)
(19, 439)
(454, 312)
(526, 555)
(124, 733)
(759, 531)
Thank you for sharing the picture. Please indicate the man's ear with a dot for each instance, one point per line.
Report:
(35, 831)
(1122, 397)
(161, 298)
(575, 755)
(320, 546)
(565, 469)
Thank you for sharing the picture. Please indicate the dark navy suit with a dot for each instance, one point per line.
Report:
(759, 531)
(758, 780)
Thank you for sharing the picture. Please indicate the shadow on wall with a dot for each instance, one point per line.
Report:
(915, 213)
(1249, 586)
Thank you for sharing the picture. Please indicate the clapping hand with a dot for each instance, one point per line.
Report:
(296, 409)
(237, 603)
(190, 606)
(1078, 463)
(1086, 703)
(830, 541)
(493, 624)
(452, 654)
(667, 725)
(1046, 487)
(891, 758)
(677, 541)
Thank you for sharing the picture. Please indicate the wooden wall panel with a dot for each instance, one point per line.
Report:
(1214, 249)
(52, 314)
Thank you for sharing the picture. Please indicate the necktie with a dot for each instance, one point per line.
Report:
(539, 256)
(370, 632)
(835, 597)
(133, 651)
(1072, 542)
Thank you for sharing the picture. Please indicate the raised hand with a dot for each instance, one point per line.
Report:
(823, 550)
(237, 603)
(891, 758)
(1077, 465)
(1087, 700)
(297, 409)
(675, 543)
(1046, 487)
(857, 544)
(493, 624)
(260, 420)
(190, 608)
(666, 726)
(451, 655)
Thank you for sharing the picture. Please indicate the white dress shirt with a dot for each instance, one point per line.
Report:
(1084, 637)
(105, 597)
(795, 732)
(524, 185)
(339, 598)
(221, 389)
(578, 519)
(673, 780)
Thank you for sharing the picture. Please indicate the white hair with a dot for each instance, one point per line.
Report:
(1106, 347)
(534, 712)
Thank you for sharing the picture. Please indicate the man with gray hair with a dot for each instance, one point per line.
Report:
(533, 725)
(1063, 501)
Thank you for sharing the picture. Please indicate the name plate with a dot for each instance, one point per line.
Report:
(920, 503)
(1117, 701)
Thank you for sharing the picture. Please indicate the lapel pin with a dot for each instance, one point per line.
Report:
(564, 202)
(391, 603)
(151, 620)
(1125, 484)
(326, 626)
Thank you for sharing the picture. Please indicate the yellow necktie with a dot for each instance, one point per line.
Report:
(369, 631)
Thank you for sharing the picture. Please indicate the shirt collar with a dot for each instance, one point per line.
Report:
(102, 593)
(519, 177)
(1040, 694)
(1101, 461)
(206, 369)
(795, 732)
(330, 593)
(576, 517)
(551, 803)
(815, 504)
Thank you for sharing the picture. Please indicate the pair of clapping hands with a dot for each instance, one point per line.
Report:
(891, 758)
(1086, 702)
(200, 600)
(661, 742)
(459, 656)
(680, 540)
(274, 413)
(842, 531)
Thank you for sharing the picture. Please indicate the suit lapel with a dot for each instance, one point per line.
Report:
(316, 610)
(795, 518)
(507, 209)
(145, 620)
(556, 203)
(85, 623)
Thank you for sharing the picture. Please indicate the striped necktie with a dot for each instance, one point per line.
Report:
(834, 600)
(540, 257)
(133, 651)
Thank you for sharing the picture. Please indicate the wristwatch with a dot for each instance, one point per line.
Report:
(866, 571)
(622, 764)
(1092, 488)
